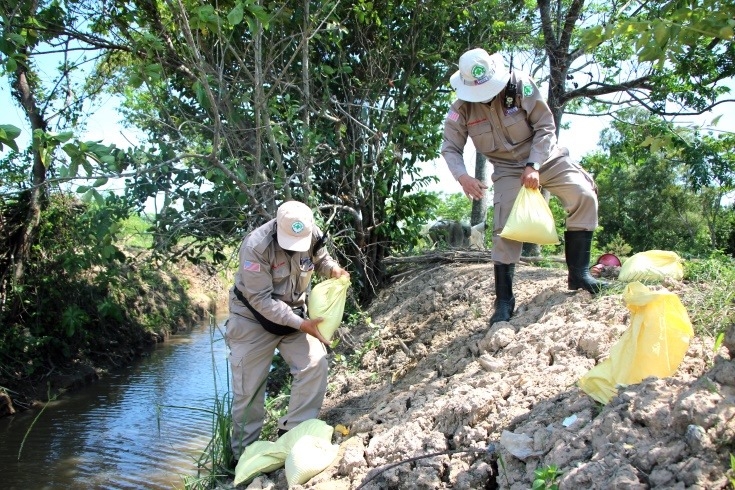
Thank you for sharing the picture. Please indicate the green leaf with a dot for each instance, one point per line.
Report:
(8, 134)
(63, 137)
(11, 65)
(236, 15)
(661, 34)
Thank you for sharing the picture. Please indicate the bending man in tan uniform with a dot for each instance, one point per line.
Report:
(511, 124)
(267, 312)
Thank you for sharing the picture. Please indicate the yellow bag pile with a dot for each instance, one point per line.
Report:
(530, 219)
(652, 265)
(266, 456)
(653, 345)
(327, 300)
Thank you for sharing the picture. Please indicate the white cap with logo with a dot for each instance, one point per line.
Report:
(295, 222)
(480, 76)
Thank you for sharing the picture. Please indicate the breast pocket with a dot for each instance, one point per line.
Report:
(306, 271)
(482, 136)
(517, 128)
(280, 281)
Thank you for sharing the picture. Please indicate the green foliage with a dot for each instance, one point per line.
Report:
(8, 135)
(546, 478)
(617, 246)
(731, 472)
(454, 207)
(350, 355)
(711, 305)
(79, 293)
(135, 232)
(669, 199)
(663, 31)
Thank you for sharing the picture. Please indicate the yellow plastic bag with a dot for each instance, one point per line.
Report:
(309, 456)
(652, 265)
(653, 345)
(259, 457)
(327, 300)
(266, 456)
(530, 219)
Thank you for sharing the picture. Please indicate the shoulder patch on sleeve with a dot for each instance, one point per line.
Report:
(250, 266)
(453, 116)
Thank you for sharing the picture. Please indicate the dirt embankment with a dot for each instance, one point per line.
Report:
(441, 400)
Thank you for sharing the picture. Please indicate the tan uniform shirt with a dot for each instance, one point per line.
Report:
(273, 281)
(506, 136)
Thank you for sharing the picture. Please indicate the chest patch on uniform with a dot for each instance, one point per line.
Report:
(510, 110)
(306, 263)
(276, 266)
(453, 116)
(527, 90)
(250, 266)
(476, 121)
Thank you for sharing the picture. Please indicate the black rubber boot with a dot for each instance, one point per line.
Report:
(577, 246)
(505, 302)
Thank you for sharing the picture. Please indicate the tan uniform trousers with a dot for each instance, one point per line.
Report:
(251, 355)
(559, 175)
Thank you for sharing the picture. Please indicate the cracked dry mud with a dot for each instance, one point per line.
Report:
(437, 380)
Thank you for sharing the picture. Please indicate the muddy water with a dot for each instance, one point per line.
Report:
(140, 428)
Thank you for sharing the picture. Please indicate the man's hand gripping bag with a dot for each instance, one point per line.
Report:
(653, 345)
(530, 219)
(327, 301)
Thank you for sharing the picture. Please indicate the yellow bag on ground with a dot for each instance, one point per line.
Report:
(653, 345)
(652, 265)
(308, 457)
(327, 300)
(530, 219)
(266, 456)
(259, 457)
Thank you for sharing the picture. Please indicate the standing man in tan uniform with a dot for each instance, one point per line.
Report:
(511, 124)
(268, 312)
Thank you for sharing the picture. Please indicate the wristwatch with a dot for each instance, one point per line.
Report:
(536, 166)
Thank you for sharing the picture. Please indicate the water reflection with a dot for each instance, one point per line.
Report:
(142, 427)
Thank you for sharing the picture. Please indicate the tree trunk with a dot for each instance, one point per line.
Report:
(479, 208)
(22, 248)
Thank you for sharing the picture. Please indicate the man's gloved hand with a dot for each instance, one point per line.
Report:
(310, 327)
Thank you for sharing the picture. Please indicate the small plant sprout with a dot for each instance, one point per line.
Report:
(545, 478)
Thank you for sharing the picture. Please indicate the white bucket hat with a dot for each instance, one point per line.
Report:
(480, 76)
(295, 221)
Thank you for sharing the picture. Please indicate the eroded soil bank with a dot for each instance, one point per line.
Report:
(496, 404)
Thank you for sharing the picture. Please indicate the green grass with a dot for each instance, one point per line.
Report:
(712, 306)
(134, 231)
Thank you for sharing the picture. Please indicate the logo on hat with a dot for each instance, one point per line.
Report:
(297, 227)
(478, 71)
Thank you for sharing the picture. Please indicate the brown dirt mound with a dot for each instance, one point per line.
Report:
(441, 400)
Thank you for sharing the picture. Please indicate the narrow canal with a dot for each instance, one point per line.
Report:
(142, 427)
